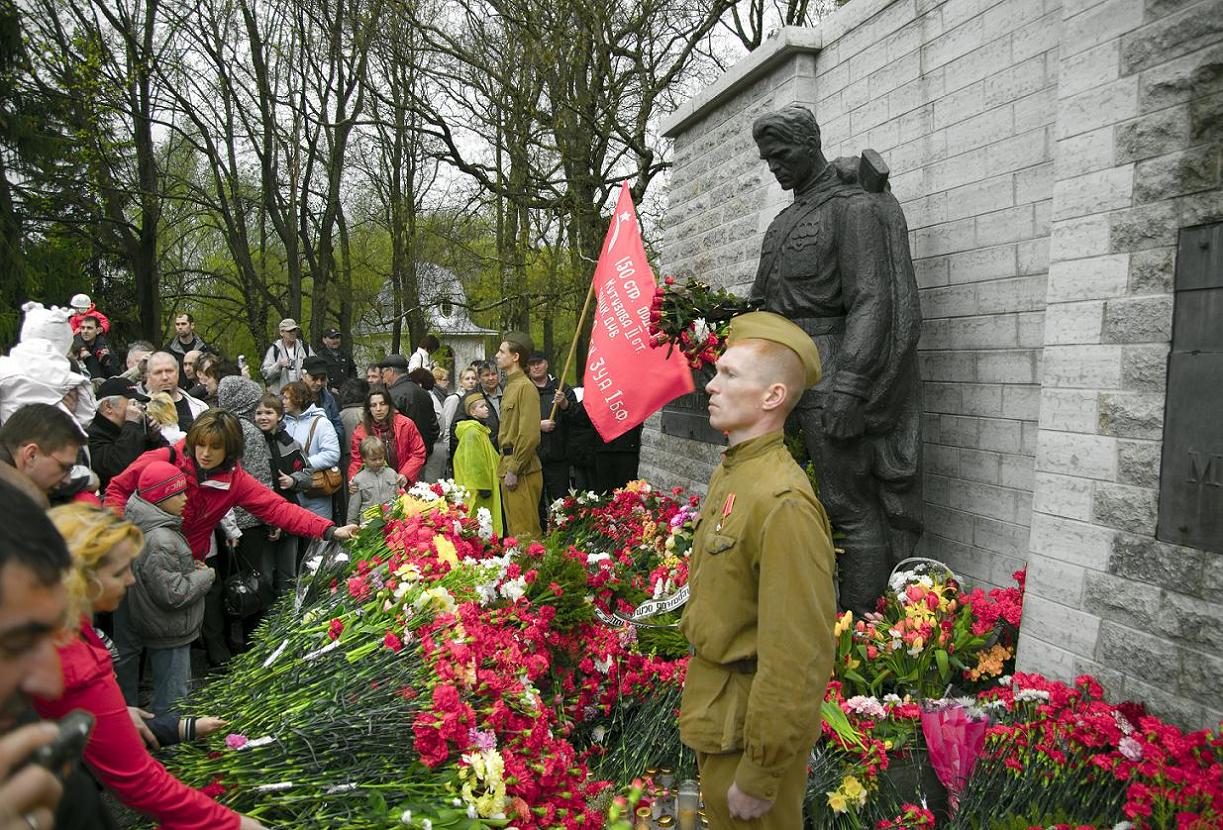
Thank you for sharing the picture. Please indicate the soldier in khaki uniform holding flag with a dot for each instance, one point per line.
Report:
(762, 603)
(521, 474)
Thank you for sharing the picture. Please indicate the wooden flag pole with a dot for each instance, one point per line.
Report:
(573, 347)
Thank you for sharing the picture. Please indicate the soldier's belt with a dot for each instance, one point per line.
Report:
(821, 325)
(508, 449)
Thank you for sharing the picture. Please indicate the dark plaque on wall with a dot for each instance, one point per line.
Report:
(688, 417)
(1191, 476)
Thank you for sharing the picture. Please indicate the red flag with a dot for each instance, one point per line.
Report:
(626, 380)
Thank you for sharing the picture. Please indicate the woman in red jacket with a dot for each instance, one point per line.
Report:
(103, 546)
(209, 455)
(405, 449)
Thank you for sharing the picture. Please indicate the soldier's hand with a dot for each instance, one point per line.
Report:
(511, 480)
(744, 806)
(844, 418)
(547, 425)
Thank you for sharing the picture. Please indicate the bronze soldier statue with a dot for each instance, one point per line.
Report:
(837, 263)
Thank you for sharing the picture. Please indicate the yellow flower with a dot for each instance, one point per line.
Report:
(413, 506)
(837, 802)
(853, 790)
(446, 551)
(843, 624)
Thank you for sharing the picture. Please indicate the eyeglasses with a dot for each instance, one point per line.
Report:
(65, 467)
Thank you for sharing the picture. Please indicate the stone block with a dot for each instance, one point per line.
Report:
(982, 264)
(1153, 135)
(930, 272)
(1107, 104)
(943, 461)
(1038, 37)
(1032, 184)
(1084, 153)
(1029, 437)
(1177, 81)
(1201, 676)
(1177, 174)
(949, 524)
(1205, 117)
(1148, 658)
(999, 434)
(1144, 368)
(1152, 271)
(1023, 294)
(1072, 453)
(1091, 193)
(1138, 463)
(1036, 655)
(1065, 496)
(1193, 621)
(1163, 701)
(1122, 601)
(1055, 580)
(1015, 82)
(1069, 410)
(982, 399)
(1031, 330)
(984, 500)
(1059, 625)
(1145, 226)
(1071, 323)
(942, 397)
(1089, 68)
(1033, 256)
(1004, 538)
(944, 238)
(1001, 226)
(1078, 239)
(1005, 366)
(1132, 415)
(1018, 471)
(1021, 401)
(1024, 149)
(1125, 508)
(1146, 560)
(1068, 540)
(975, 465)
(1175, 36)
(1100, 24)
(957, 105)
(1199, 209)
(1138, 320)
(981, 197)
(1083, 367)
(948, 365)
(936, 489)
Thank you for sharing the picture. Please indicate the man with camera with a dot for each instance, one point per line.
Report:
(33, 608)
(121, 430)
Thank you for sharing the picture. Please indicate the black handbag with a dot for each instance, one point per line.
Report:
(246, 592)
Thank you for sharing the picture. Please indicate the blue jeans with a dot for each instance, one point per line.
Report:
(171, 676)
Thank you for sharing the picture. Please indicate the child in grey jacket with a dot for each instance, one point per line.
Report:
(376, 482)
(164, 610)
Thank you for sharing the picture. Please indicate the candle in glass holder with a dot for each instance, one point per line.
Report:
(666, 777)
(685, 805)
(643, 819)
(666, 822)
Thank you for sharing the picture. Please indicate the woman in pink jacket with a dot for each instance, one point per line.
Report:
(103, 547)
(209, 456)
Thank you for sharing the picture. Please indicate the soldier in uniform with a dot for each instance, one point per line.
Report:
(837, 263)
(521, 474)
(762, 604)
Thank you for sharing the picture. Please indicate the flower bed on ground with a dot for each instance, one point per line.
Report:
(434, 675)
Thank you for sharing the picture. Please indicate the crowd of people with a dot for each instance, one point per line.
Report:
(167, 497)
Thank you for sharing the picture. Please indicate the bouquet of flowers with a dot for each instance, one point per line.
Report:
(695, 318)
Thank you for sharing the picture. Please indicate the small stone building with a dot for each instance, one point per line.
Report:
(1059, 165)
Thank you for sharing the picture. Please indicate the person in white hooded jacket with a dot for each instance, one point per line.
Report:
(307, 423)
(37, 369)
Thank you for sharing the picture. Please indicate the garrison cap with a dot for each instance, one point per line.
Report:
(520, 339)
(765, 325)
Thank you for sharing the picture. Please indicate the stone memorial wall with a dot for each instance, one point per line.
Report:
(1050, 157)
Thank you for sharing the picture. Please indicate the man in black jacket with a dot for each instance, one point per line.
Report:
(340, 366)
(552, 431)
(121, 430)
(411, 401)
(91, 348)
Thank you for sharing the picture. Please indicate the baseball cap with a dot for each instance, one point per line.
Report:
(120, 386)
(332, 332)
(161, 480)
(536, 357)
(288, 324)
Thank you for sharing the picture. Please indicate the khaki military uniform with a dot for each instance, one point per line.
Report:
(518, 437)
(760, 618)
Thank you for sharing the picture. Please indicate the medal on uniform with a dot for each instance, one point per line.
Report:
(727, 506)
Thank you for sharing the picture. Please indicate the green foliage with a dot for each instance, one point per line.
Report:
(561, 566)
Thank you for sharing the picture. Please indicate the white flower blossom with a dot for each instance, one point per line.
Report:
(484, 518)
(598, 734)
(1031, 694)
(700, 330)
(406, 818)
(596, 558)
(603, 664)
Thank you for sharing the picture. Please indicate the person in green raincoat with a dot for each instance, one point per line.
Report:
(475, 460)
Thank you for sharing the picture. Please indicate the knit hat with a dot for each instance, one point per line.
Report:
(49, 324)
(239, 395)
(80, 302)
(160, 481)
